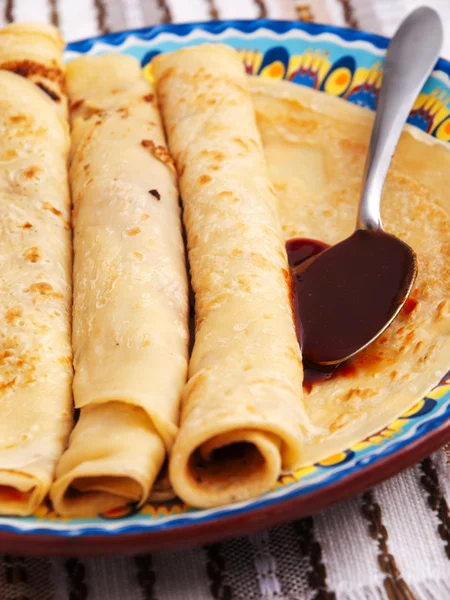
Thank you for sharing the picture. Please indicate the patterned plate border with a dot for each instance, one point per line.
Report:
(348, 67)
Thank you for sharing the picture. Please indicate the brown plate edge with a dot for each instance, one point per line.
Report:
(179, 537)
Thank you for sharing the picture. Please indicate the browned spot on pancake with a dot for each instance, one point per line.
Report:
(224, 194)
(260, 261)
(353, 146)
(160, 153)
(290, 290)
(242, 143)
(51, 208)
(65, 360)
(27, 225)
(53, 95)
(13, 313)
(204, 179)
(442, 309)
(155, 194)
(358, 393)
(32, 254)
(409, 306)
(168, 73)
(18, 118)
(236, 252)
(9, 154)
(368, 359)
(347, 370)
(145, 216)
(148, 98)
(133, 231)
(124, 112)
(29, 69)
(31, 172)
(138, 255)
(7, 384)
(214, 154)
(91, 111)
(44, 289)
(418, 347)
(5, 354)
(77, 104)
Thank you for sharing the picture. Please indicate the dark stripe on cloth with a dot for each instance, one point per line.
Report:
(146, 575)
(395, 586)
(166, 12)
(262, 8)
(15, 571)
(215, 568)
(436, 500)
(54, 17)
(76, 584)
(312, 550)
(100, 9)
(213, 10)
(349, 14)
(9, 11)
(26, 578)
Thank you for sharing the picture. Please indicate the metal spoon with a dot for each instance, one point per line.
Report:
(347, 295)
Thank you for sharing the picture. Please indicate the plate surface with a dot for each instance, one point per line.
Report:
(343, 63)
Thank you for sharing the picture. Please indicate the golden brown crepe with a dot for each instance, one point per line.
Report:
(130, 331)
(316, 145)
(35, 275)
(34, 51)
(242, 413)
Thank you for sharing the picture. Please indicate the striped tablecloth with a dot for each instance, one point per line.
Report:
(390, 543)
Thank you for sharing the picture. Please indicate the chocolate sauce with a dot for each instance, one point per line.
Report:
(300, 249)
(344, 296)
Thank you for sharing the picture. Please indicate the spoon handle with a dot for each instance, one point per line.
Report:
(410, 58)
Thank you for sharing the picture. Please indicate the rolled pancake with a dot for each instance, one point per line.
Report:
(242, 412)
(35, 288)
(316, 145)
(34, 51)
(130, 330)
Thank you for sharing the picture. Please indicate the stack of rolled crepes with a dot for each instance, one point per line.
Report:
(35, 266)
(242, 415)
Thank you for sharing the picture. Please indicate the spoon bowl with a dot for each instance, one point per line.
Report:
(370, 275)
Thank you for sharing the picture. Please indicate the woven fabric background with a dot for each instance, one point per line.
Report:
(391, 543)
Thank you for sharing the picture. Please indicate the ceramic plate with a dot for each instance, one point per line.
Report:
(343, 63)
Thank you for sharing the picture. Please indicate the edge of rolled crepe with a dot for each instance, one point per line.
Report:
(79, 490)
(34, 51)
(76, 493)
(22, 489)
(239, 455)
(24, 482)
(208, 465)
